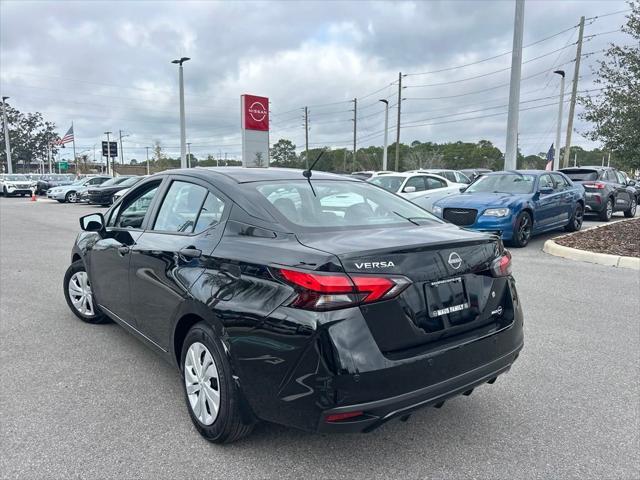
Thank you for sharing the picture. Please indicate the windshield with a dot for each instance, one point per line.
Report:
(340, 204)
(503, 183)
(16, 178)
(581, 175)
(388, 182)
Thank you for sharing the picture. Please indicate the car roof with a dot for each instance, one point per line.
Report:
(588, 167)
(516, 172)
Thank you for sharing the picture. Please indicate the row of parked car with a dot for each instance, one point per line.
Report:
(95, 189)
(516, 204)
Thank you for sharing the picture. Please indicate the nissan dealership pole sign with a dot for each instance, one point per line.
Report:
(255, 131)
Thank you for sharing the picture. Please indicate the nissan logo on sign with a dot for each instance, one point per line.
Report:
(255, 112)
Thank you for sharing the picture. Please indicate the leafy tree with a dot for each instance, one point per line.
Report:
(614, 114)
(29, 137)
(283, 154)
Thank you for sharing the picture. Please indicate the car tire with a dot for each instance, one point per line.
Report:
(79, 297)
(522, 229)
(575, 223)
(631, 212)
(71, 197)
(60, 201)
(607, 212)
(206, 372)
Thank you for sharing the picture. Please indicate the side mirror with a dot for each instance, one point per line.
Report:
(546, 190)
(631, 183)
(462, 189)
(409, 189)
(93, 222)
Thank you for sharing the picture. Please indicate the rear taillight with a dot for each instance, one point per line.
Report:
(501, 266)
(596, 185)
(329, 291)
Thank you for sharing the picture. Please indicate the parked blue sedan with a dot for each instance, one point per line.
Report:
(516, 204)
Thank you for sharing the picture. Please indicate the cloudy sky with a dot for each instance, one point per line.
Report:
(106, 66)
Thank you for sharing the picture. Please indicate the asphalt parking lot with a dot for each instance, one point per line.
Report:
(92, 401)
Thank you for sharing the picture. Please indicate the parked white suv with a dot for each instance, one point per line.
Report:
(16, 184)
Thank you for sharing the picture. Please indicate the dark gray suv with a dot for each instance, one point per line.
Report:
(607, 190)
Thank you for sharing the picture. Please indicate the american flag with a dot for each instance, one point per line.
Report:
(68, 137)
(550, 155)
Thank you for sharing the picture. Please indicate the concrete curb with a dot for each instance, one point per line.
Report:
(552, 248)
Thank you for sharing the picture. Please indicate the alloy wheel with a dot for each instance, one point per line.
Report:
(80, 294)
(609, 208)
(72, 197)
(634, 206)
(524, 229)
(202, 383)
(578, 217)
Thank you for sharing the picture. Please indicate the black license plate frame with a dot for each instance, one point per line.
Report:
(447, 296)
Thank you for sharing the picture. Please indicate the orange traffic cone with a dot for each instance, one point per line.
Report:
(33, 196)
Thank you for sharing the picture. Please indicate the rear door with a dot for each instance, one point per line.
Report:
(109, 257)
(185, 227)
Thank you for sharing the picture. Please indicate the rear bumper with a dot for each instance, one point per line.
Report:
(378, 412)
(594, 202)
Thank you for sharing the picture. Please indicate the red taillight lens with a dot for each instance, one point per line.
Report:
(321, 291)
(501, 266)
(336, 417)
(596, 185)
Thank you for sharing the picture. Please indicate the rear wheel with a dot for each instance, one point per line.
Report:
(575, 223)
(605, 215)
(631, 212)
(71, 197)
(522, 229)
(211, 394)
(79, 295)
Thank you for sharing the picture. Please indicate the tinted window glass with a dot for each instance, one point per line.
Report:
(388, 182)
(210, 213)
(435, 183)
(180, 208)
(462, 178)
(581, 175)
(339, 205)
(503, 183)
(416, 182)
(545, 182)
(620, 178)
(134, 209)
(611, 176)
(560, 181)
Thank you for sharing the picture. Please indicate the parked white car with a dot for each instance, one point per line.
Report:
(16, 184)
(72, 193)
(454, 176)
(421, 188)
(369, 174)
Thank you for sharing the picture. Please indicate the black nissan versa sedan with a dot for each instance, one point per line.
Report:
(324, 303)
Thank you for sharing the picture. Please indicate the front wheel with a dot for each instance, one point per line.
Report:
(211, 394)
(71, 197)
(605, 215)
(79, 295)
(575, 223)
(631, 212)
(522, 228)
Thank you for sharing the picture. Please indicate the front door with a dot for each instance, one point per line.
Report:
(547, 203)
(167, 258)
(110, 257)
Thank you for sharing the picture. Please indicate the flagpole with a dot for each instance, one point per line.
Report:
(75, 159)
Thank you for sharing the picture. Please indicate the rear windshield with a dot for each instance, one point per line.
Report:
(503, 183)
(388, 182)
(341, 205)
(581, 175)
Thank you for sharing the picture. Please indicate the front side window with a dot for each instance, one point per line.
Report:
(546, 182)
(180, 208)
(417, 183)
(611, 176)
(339, 205)
(621, 179)
(561, 183)
(135, 207)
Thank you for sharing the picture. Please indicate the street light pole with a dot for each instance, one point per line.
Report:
(386, 133)
(556, 152)
(511, 150)
(189, 155)
(113, 173)
(147, 160)
(183, 131)
(121, 149)
(7, 144)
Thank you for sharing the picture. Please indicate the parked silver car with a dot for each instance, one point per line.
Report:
(71, 193)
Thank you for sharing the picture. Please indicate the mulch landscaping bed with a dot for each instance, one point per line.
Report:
(619, 238)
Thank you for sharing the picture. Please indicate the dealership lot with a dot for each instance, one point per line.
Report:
(90, 400)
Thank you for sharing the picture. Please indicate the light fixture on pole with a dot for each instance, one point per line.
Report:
(183, 131)
(556, 152)
(386, 133)
(7, 144)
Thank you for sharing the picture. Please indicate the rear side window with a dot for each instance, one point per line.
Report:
(435, 183)
(462, 178)
(210, 213)
(180, 208)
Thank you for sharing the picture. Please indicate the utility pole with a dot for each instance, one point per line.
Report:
(574, 90)
(355, 128)
(183, 130)
(189, 155)
(575, 159)
(398, 125)
(113, 171)
(556, 153)
(7, 144)
(121, 149)
(511, 150)
(147, 160)
(386, 133)
(306, 137)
